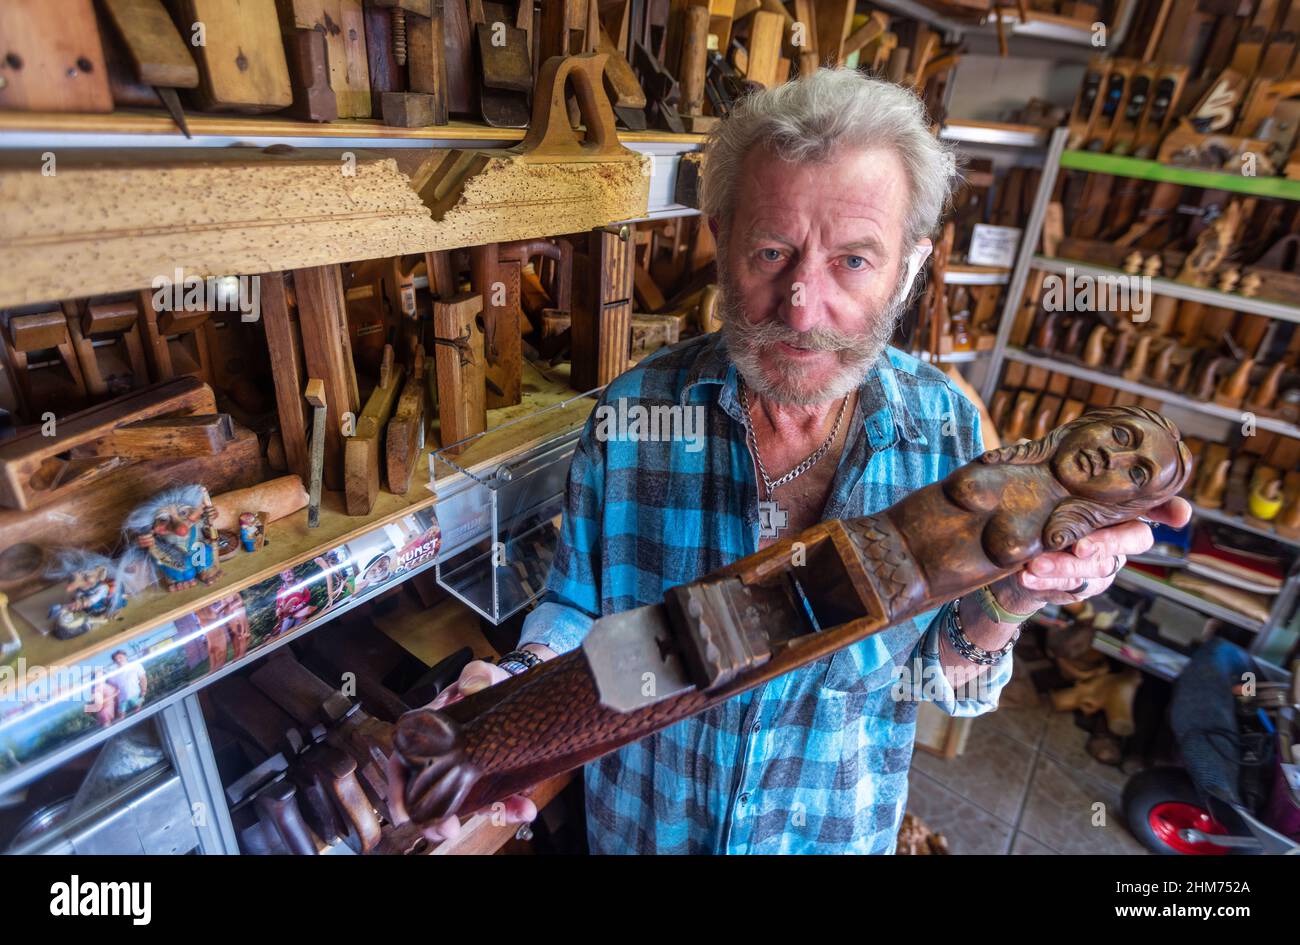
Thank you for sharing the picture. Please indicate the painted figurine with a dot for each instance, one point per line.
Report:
(95, 592)
(175, 531)
(249, 531)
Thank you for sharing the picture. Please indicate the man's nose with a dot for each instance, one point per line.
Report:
(802, 308)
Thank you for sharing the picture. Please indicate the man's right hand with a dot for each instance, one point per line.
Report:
(516, 809)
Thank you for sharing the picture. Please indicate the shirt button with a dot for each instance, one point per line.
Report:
(757, 726)
(744, 798)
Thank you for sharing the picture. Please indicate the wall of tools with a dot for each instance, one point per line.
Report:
(1155, 271)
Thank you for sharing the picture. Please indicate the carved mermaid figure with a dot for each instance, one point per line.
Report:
(1014, 503)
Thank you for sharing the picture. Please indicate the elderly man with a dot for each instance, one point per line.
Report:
(821, 193)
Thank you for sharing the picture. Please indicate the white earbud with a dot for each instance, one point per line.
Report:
(914, 263)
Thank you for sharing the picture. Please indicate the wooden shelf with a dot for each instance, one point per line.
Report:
(147, 625)
(1002, 134)
(1174, 289)
(1138, 580)
(146, 123)
(1208, 408)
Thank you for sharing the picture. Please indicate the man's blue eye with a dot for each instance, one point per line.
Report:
(855, 262)
(771, 255)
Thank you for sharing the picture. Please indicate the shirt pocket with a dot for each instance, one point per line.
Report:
(860, 668)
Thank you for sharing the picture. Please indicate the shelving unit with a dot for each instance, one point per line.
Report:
(1029, 258)
(549, 415)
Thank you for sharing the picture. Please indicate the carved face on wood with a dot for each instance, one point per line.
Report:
(1113, 464)
(1118, 459)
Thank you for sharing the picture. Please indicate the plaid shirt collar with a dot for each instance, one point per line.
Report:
(881, 410)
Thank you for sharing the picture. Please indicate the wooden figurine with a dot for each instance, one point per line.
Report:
(174, 530)
(94, 589)
(983, 522)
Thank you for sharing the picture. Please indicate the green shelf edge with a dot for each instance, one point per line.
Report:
(1117, 166)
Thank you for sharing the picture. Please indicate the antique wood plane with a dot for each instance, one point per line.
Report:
(172, 420)
(796, 601)
(545, 184)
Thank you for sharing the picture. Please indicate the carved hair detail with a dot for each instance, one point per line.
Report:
(1073, 516)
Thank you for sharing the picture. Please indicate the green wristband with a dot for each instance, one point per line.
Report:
(995, 611)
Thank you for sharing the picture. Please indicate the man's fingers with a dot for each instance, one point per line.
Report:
(436, 831)
(1067, 571)
(1175, 513)
(520, 809)
(397, 790)
(1127, 538)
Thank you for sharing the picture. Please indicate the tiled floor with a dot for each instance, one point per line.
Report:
(1024, 784)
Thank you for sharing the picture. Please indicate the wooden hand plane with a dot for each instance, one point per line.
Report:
(789, 604)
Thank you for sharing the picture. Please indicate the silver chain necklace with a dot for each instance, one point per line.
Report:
(772, 517)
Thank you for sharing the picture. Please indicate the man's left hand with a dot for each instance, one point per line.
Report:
(1067, 577)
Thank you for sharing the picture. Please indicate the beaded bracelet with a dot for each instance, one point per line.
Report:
(967, 649)
(522, 659)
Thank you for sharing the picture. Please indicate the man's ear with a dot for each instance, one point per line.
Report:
(713, 226)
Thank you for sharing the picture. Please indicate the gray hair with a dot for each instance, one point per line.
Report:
(809, 119)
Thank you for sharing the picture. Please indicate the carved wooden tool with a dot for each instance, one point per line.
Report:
(362, 450)
(405, 438)
(459, 367)
(241, 61)
(309, 73)
(315, 395)
(763, 616)
(506, 69)
(157, 51)
(52, 59)
(471, 192)
(36, 469)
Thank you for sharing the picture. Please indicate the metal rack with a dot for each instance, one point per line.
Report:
(1028, 258)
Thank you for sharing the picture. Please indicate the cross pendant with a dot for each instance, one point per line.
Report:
(772, 519)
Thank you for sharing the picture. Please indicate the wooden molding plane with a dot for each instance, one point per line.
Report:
(143, 215)
(544, 185)
(173, 419)
(362, 450)
(405, 440)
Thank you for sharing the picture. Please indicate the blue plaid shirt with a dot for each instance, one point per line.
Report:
(815, 761)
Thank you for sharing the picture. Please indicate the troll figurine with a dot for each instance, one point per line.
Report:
(95, 592)
(174, 529)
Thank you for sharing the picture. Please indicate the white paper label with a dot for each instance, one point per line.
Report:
(993, 245)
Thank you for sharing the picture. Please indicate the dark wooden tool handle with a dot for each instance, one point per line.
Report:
(516, 734)
(278, 806)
